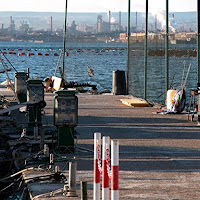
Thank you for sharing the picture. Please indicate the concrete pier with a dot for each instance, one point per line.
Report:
(159, 154)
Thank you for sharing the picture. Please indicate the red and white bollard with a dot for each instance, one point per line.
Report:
(105, 172)
(114, 169)
(97, 158)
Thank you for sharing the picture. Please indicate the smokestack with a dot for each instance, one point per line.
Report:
(109, 20)
(11, 27)
(2, 27)
(156, 23)
(10, 20)
(120, 23)
(51, 23)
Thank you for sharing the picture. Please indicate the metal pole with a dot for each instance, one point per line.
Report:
(72, 179)
(198, 58)
(136, 26)
(83, 190)
(128, 47)
(145, 52)
(198, 41)
(166, 49)
(64, 40)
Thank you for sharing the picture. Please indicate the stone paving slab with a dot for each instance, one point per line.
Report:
(159, 154)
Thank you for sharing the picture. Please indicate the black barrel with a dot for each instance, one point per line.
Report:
(119, 83)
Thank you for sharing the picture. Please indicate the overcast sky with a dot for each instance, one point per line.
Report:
(95, 5)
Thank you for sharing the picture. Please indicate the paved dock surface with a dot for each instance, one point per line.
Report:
(159, 154)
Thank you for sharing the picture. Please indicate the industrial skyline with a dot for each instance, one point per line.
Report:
(115, 20)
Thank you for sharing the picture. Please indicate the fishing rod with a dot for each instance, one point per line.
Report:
(187, 75)
(61, 52)
(11, 85)
(3, 64)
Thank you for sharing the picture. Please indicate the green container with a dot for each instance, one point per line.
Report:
(65, 118)
(65, 109)
(35, 91)
(66, 139)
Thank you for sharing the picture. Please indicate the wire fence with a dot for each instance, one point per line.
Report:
(182, 52)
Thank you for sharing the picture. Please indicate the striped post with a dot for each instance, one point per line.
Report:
(114, 169)
(105, 173)
(97, 156)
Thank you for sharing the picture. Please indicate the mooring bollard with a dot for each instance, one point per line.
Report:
(107, 173)
(114, 169)
(72, 179)
(83, 190)
(97, 157)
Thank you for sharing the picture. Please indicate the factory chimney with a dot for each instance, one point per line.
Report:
(11, 25)
(109, 20)
(51, 24)
(120, 22)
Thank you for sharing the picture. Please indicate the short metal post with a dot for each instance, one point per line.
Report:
(46, 150)
(35, 132)
(72, 179)
(83, 190)
(51, 161)
(42, 140)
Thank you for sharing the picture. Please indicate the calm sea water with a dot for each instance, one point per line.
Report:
(101, 57)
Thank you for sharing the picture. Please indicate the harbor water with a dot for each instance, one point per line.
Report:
(103, 58)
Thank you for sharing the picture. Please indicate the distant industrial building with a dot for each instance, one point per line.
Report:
(72, 28)
(102, 26)
(84, 28)
(11, 29)
(110, 26)
(23, 28)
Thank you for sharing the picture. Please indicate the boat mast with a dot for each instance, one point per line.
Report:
(128, 48)
(64, 41)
